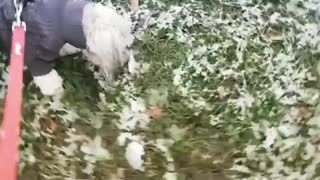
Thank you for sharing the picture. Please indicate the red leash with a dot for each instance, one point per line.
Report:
(9, 145)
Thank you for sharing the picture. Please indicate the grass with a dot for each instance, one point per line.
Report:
(83, 100)
(232, 102)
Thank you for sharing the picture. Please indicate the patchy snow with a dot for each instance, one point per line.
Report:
(95, 149)
(245, 71)
(170, 176)
(134, 155)
(133, 116)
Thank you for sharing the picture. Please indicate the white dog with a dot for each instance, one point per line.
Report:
(58, 28)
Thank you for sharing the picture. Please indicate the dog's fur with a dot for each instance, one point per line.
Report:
(108, 39)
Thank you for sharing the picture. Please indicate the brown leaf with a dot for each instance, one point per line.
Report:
(303, 115)
(52, 125)
(49, 123)
(155, 112)
(134, 5)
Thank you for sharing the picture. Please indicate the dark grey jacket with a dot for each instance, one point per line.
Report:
(50, 24)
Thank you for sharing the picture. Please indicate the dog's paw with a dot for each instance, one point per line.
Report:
(49, 84)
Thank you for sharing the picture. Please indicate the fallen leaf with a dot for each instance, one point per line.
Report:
(49, 123)
(52, 125)
(155, 112)
(134, 5)
(303, 115)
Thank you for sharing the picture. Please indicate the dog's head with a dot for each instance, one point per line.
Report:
(109, 39)
(113, 54)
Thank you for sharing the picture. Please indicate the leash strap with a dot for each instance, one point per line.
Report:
(9, 145)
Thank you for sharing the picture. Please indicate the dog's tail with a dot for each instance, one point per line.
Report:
(108, 37)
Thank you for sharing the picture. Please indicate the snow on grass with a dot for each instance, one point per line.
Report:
(244, 52)
(134, 153)
(243, 73)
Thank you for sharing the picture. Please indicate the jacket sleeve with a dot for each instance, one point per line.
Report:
(5, 41)
(35, 63)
